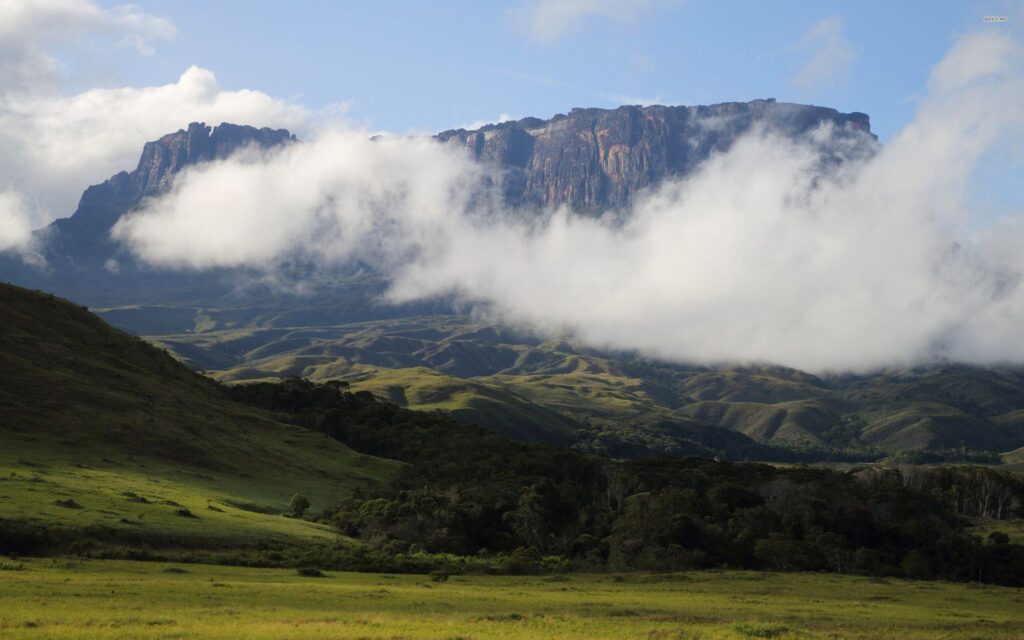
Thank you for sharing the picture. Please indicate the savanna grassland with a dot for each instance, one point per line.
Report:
(51, 598)
(60, 598)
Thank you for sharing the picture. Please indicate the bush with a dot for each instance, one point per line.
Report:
(311, 572)
(439, 575)
(299, 504)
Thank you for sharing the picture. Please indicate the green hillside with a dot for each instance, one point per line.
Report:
(103, 436)
(558, 390)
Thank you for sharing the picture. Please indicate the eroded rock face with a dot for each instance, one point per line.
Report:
(593, 159)
(590, 160)
(163, 158)
(85, 235)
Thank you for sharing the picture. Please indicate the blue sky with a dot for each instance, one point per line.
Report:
(426, 66)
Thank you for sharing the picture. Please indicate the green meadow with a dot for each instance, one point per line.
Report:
(63, 598)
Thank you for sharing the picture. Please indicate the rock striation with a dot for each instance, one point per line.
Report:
(102, 204)
(601, 158)
(589, 160)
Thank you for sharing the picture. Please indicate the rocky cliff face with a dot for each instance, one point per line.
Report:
(84, 237)
(590, 160)
(167, 156)
(600, 158)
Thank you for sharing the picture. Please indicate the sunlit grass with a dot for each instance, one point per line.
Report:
(70, 599)
(90, 485)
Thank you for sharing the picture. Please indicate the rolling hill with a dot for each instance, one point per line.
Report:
(104, 438)
(556, 390)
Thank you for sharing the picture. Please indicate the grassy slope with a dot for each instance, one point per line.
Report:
(89, 414)
(468, 400)
(796, 421)
(99, 598)
(517, 381)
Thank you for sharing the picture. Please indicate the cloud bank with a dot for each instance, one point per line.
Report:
(53, 145)
(762, 255)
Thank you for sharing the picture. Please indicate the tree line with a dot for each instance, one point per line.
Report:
(468, 492)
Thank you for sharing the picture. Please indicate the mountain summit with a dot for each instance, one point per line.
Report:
(601, 158)
(85, 236)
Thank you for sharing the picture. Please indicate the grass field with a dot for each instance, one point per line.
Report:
(61, 598)
(1014, 529)
(153, 499)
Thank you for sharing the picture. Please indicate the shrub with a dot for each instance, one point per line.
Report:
(439, 575)
(310, 572)
(299, 504)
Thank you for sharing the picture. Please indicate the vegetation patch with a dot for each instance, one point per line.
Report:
(760, 630)
(503, 617)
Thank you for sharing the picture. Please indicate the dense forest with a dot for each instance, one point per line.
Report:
(468, 492)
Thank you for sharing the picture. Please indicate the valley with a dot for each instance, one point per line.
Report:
(557, 390)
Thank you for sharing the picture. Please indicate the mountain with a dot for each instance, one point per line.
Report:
(84, 263)
(104, 438)
(84, 238)
(594, 159)
(590, 160)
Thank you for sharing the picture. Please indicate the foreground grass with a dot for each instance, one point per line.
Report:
(147, 499)
(50, 598)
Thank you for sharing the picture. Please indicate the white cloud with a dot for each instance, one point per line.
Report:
(15, 230)
(622, 99)
(30, 28)
(976, 57)
(759, 256)
(548, 20)
(476, 124)
(53, 146)
(341, 197)
(830, 54)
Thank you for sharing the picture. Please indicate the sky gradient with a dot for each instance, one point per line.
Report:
(408, 66)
